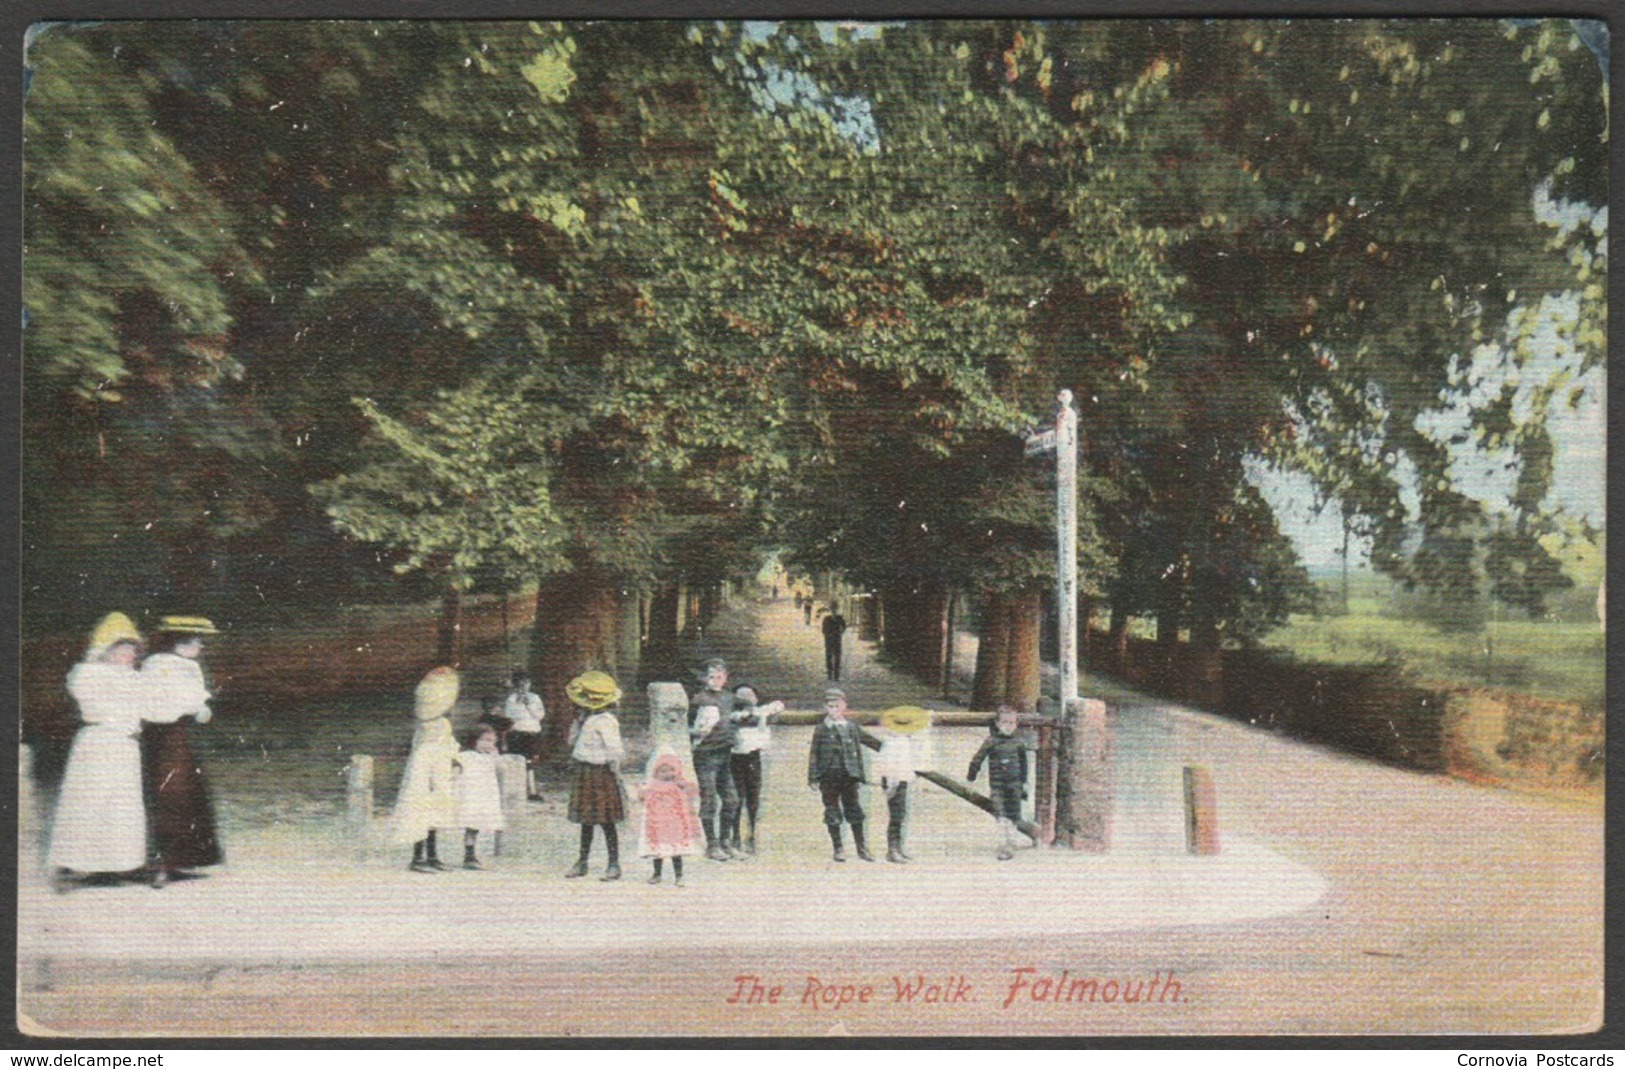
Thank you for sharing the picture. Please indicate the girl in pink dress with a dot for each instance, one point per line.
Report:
(670, 826)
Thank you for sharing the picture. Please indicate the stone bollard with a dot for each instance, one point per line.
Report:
(358, 814)
(514, 777)
(1084, 808)
(668, 722)
(1201, 811)
(27, 803)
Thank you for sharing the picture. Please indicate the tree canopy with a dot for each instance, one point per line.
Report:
(621, 300)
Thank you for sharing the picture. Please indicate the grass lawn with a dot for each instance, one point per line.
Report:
(1545, 660)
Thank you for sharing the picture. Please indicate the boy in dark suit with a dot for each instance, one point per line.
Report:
(835, 768)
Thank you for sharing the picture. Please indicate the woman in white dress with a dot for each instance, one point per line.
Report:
(100, 825)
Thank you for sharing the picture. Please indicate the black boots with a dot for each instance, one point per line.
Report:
(857, 838)
(423, 856)
(835, 840)
(894, 847)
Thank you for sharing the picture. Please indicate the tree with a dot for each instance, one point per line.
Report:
(137, 431)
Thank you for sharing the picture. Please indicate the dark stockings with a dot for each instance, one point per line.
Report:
(423, 849)
(612, 840)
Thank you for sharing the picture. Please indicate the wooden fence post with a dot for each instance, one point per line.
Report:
(1044, 807)
(1201, 811)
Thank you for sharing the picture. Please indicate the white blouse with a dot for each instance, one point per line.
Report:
(598, 742)
(526, 711)
(175, 688)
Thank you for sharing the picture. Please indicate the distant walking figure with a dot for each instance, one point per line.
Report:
(834, 629)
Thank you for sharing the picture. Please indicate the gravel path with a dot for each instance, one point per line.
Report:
(1350, 897)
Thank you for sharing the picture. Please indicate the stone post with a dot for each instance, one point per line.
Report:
(512, 778)
(358, 814)
(27, 804)
(1085, 788)
(668, 722)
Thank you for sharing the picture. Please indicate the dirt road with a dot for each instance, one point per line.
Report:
(1349, 898)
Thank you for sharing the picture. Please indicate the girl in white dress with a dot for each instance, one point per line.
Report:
(427, 799)
(479, 794)
(100, 825)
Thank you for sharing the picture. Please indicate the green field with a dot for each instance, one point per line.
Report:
(1543, 659)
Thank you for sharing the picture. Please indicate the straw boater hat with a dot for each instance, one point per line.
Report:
(593, 690)
(436, 694)
(905, 719)
(114, 628)
(187, 625)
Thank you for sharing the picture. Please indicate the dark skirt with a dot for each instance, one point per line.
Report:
(526, 743)
(180, 816)
(596, 796)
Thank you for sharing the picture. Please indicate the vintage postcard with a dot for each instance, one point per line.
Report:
(894, 528)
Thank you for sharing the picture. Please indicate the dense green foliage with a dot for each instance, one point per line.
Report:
(314, 303)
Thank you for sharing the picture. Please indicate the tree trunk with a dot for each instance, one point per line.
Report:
(915, 633)
(1117, 639)
(628, 638)
(1022, 676)
(576, 617)
(992, 662)
(1086, 617)
(1204, 675)
(449, 633)
(662, 656)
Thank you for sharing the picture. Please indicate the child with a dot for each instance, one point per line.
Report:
(491, 715)
(895, 767)
(835, 770)
(524, 708)
(669, 827)
(1006, 755)
(596, 798)
(745, 763)
(427, 798)
(479, 795)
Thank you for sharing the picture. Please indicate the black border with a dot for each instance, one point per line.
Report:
(17, 15)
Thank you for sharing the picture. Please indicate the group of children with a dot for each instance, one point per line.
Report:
(448, 785)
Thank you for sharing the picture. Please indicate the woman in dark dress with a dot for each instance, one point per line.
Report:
(180, 814)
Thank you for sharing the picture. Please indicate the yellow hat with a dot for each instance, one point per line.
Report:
(436, 694)
(187, 625)
(905, 719)
(593, 690)
(114, 628)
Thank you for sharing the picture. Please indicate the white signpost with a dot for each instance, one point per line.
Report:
(1063, 439)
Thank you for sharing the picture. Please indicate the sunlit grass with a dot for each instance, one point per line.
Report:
(1548, 660)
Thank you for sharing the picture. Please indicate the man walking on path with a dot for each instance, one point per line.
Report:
(835, 770)
(712, 728)
(834, 629)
